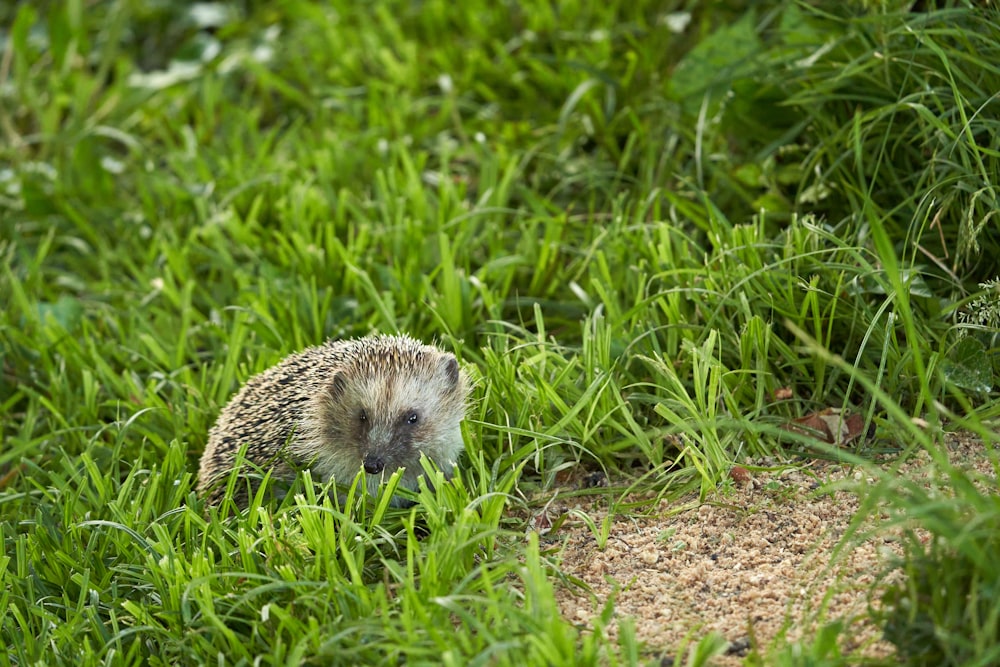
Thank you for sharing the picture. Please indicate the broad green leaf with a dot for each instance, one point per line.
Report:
(66, 312)
(720, 59)
(968, 366)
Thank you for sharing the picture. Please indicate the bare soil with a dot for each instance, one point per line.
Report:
(756, 563)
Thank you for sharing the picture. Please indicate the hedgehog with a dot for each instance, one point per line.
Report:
(376, 403)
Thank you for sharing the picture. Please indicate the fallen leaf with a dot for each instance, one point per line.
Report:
(831, 425)
(740, 475)
(541, 522)
(783, 393)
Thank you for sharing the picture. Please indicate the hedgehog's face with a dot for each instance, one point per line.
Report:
(381, 419)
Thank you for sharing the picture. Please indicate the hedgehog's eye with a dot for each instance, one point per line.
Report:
(412, 418)
(363, 416)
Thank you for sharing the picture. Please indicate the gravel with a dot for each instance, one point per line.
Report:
(756, 563)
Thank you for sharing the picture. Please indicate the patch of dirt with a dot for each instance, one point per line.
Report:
(756, 560)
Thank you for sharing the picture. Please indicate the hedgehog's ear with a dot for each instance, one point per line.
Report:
(337, 386)
(449, 364)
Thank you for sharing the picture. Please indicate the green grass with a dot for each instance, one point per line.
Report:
(632, 234)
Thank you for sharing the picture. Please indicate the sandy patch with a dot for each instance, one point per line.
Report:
(753, 564)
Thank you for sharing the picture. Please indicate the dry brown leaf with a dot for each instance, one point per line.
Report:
(832, 425)
(783, 393)
(740, 475)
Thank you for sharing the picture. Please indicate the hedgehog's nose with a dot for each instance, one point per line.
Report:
(374, 464)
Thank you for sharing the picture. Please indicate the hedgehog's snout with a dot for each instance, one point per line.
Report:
(374, 464)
